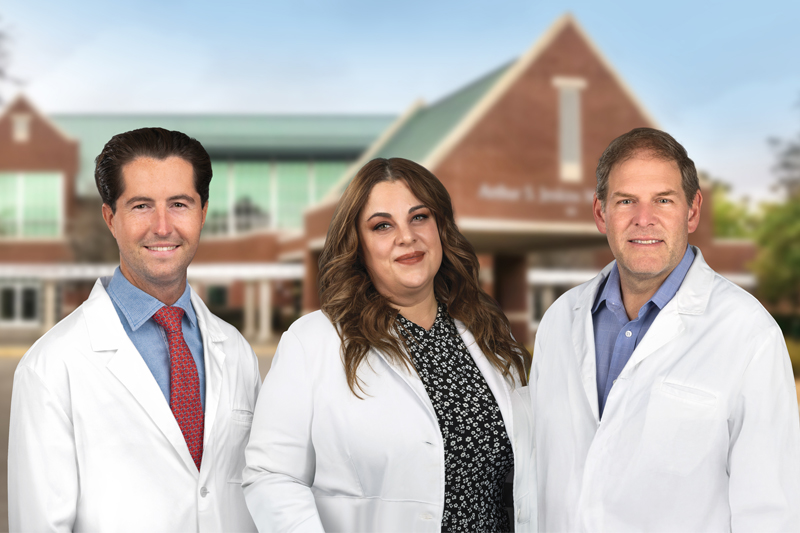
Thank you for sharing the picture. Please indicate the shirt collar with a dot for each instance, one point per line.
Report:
(137, 306)
(612, 295)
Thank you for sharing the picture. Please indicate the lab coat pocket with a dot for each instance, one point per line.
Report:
(679, 428)
(238, 435)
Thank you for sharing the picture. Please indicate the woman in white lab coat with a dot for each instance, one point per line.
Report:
(401, 405)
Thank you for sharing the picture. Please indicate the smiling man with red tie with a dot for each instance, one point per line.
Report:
(132, 413)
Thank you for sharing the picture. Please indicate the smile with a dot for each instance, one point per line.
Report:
(645, 241)
(410, 259)
(161, 248)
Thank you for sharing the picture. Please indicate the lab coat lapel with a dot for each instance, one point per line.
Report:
(214, 358)
(106, 334)
(691, 299)
(583, 340)
(411, 378)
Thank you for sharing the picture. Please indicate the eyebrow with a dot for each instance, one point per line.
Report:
(668, 192)
(387, 215)
(182, 197)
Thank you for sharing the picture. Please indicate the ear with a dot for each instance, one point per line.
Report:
(694, 212)
(205, 211)
(108, 216)
(599, 215)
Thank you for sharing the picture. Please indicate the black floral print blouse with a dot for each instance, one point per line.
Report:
(477, 450)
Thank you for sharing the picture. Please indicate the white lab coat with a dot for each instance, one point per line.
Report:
(321, 459)
(700, 431)
(94, 446)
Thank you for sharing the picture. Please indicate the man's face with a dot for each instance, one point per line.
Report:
(646, 218)
(157, 224)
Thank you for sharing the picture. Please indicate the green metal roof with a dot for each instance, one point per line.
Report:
(254, 137)
(428, 126)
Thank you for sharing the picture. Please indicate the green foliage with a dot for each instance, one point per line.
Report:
(732, 218)
(777, 264)
(794, 354)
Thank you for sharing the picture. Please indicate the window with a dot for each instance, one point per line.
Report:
(569, 127)
(250, 195)
(20, 303)
(30, 205)
(21, 127)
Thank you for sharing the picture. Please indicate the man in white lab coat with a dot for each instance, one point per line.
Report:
(663, 394)
(132, 413)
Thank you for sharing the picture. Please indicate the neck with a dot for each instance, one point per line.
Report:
(167, 294)
(635, 293)
(421, 312)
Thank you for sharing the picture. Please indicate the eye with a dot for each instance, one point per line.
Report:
(421, 216)
(140, 206)
(380, 226)
(664, 200)
(626, 202)
(179, 204)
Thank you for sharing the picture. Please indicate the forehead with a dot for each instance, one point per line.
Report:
(390, 196)
(644, 173)
(156, 174)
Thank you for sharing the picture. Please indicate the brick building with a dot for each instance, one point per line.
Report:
(516, 149)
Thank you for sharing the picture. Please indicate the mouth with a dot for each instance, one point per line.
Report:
(410, 259)
(645, 241)
(167, 248)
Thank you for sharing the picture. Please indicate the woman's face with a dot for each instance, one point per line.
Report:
(400, 243)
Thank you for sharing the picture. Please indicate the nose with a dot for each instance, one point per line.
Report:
(161, 222)
(645, 214)
(405, 235)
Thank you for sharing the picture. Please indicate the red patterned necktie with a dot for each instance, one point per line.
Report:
(184, 384)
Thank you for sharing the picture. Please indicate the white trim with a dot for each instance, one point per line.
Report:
(494, 225)
(316, 244)
(203, 271)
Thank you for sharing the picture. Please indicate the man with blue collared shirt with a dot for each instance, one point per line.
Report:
(132, 414)
(663, 394)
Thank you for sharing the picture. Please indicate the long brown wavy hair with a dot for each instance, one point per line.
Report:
(365, 318)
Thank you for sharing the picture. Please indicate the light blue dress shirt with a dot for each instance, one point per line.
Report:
(135, 309)
(616, 337)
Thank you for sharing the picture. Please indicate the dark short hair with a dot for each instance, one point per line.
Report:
(156, 143)
(649, 142)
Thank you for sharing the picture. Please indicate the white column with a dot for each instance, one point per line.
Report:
(264, 310)
(249, 309)
(49, 317)
(548, 297)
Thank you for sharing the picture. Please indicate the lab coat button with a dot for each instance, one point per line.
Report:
(204, 492)
(628, 333)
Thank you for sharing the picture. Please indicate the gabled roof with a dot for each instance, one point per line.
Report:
(427, 134)
(233, 136)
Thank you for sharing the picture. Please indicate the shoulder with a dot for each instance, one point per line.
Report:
(314, 331)
(732, 303)
(64, 351)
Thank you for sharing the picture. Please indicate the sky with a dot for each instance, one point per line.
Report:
(722, 77)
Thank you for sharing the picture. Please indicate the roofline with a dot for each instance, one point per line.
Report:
(511, 76)
(21, 97)
(336, 191)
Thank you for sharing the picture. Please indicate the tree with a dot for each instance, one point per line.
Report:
(732, 218)
(777, 264)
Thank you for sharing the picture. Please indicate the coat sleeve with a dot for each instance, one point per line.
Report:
(764, 454)
(280, 455)
(42, 466)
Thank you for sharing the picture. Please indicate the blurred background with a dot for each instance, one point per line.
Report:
(509, 103)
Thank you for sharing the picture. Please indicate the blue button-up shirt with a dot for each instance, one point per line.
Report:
(135, 309)
(616, 337)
